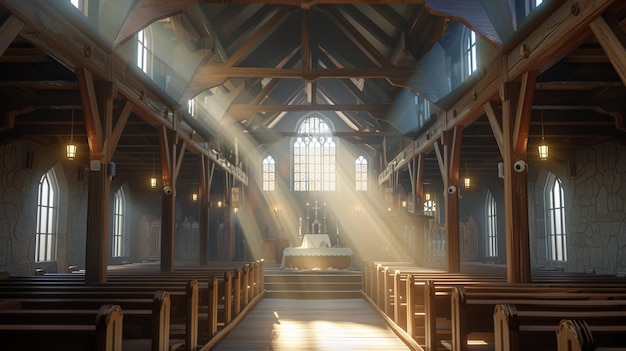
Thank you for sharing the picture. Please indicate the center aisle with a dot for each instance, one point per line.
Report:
(317, 324)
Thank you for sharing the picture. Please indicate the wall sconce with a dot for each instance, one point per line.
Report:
(219, 204)
(194, 197)
(276, 210)
(403, 203)
(236, 209)
(427, 196)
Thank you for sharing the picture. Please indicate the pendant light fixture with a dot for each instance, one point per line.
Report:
(70, 148)
(153, 179)
(543, 147)
(467, 181)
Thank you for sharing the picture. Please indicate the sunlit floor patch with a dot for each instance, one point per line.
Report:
(291, 324)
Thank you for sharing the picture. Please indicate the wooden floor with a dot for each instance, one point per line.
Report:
(293, 324)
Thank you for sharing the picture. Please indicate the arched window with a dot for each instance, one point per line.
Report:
(269, 174)
(470, 52)
(492, 225)
(191, 107)
(119, 230)
(144, 51)
(314, 156)
(360, 173)
(555, 219)
(47, 218)
(422, 108)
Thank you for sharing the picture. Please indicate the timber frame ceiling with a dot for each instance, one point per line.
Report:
(262, 65)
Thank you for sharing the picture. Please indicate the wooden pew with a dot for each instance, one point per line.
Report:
(147, 319)
(534, 328)
(472, 308)
(232, 292)
(577, 335)
(99, 330)
(182, 301)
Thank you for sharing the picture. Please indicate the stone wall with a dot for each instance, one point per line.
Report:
(595, 196)
(22, 164)
(597, 218)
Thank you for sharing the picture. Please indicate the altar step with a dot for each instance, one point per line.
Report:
(312, 285)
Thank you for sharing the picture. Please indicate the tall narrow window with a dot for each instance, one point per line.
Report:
(119, 230)
(422, 108)
(47, 213)
(492, 226)
(269, 174)
(144, 51)
(360, 173)
(191, 106)
(555, 219)
(314, 157)
(470, 52)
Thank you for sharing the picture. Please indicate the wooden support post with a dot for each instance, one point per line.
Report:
(448, 154)
(512, 139)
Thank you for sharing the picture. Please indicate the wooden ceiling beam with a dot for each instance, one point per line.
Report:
(246, 109)
(368, 49)
(9, 29)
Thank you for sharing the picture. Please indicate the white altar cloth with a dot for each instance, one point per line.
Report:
(316, 241)
(317, 258)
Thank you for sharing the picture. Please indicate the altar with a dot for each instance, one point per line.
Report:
(316, 250)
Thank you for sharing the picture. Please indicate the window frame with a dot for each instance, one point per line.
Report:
(268, 174)
(314, 156)
(118, 248)
(46, 234)
(555, 219)
(361, 168)
(491, 219)
(144, 51)
(469, 52)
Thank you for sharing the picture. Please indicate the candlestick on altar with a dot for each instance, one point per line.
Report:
(300, 228)
(338, 244)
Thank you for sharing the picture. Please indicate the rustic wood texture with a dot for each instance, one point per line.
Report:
(333, 324)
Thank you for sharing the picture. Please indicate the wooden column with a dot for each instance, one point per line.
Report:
(512, 138)
(171, 158)
(448, 151)
(228, 230)
(206, 176)
(416, 172)
(97, 100)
